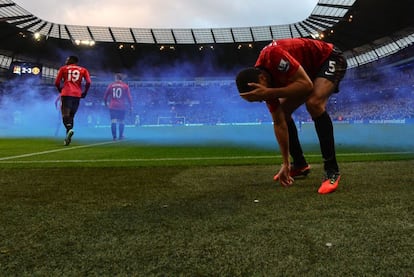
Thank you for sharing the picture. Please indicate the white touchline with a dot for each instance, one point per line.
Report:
(54, 150)
(6, 159)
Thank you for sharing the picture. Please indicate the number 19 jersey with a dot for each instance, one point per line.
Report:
(72, 76)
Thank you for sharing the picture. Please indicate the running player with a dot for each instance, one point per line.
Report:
(71, 75)
(119, 96)
(288, 73)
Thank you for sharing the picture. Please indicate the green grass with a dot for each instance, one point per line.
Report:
(140, 209)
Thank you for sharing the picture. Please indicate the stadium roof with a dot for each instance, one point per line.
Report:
(325, 15)
(366, 30)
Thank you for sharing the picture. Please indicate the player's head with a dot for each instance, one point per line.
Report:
(118, 77)
(250, 75)
(72, 60)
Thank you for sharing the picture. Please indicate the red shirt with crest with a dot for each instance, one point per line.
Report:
(72, 76)
(119, 95)
(281, 58)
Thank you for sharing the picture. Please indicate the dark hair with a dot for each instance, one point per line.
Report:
(73, 59)
(247, 75)
(119, 76)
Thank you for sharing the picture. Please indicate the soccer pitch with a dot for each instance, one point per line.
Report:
(177, 201)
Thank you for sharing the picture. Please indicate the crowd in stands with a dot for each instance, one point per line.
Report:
(381, 95)
(366, 95)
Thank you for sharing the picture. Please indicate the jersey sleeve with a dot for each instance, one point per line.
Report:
(106, 94)
(87, 76)
(279, 63)
(128, 90)
(283, 62)
(58, 78)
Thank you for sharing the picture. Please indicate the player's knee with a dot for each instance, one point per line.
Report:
(315, 108)
(66, 119)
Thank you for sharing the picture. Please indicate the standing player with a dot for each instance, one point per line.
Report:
(119, 96)
(288, 73)
(72, 75)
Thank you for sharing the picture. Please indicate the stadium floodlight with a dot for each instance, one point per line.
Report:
(84, 42)
(37, 36)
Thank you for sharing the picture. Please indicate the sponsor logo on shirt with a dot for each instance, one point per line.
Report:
(283, 65)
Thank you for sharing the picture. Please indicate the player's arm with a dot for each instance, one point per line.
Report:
(57, 101)
(106, 95)
(58, 80)
(298, 85)
(87, 83)
(129, 98)
(282, 136)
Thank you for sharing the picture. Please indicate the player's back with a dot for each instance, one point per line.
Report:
(119, 95)
(72, 76)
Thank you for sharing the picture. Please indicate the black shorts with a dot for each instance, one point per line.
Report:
(117, 114)
(71, 103)
(334, 68)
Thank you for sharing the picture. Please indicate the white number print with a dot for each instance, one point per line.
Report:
(331, 68)
(73, 75)
(117, 93)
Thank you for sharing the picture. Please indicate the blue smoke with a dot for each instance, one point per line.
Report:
(173, 106)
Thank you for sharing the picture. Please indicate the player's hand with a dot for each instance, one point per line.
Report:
(83, 94)
(284, 177)
(258, 93)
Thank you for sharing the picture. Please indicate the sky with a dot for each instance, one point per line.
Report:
(170, 14)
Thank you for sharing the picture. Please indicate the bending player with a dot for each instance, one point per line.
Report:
(288, 73)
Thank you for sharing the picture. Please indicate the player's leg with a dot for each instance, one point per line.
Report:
(113, 128)
(299, 165)
(68, 123)
(113, 123)
(316, 106)
(66, 118)
(326, 83)
(121, 116)
(69, 108)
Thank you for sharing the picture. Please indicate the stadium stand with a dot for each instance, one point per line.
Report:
(184, 76)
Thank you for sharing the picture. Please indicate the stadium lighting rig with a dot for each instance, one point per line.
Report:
(203, 47)
(37, 36)
(164, 47)
(247, 45)
(123, 46)
(89, 43)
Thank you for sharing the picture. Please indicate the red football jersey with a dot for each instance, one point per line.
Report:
(119, 94)
(281, 58)
(72, 76)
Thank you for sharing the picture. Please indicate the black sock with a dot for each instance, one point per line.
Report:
(68, 122)
(121, 130)
(295, 148)
(113, 130)
(324, 129)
